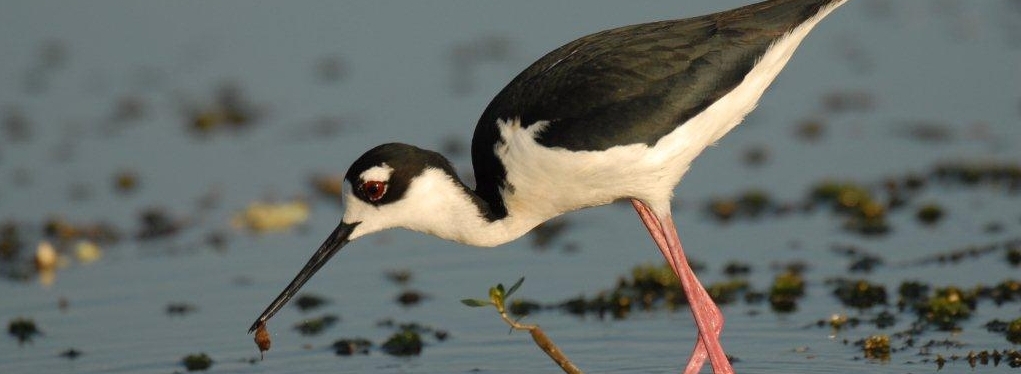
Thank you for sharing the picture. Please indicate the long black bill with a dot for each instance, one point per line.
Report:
(331, 246)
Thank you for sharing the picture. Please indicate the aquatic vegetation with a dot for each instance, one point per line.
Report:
(1013, 255)
(859, 293)
(307, 302)
(787, 288)
(929, 214)
(230, 110)
(403, 343)
(1014, 331)
(352, 346)
(196, 362)
(1010, 357)
(726, 292)
(877, 347)
(911, 294)
(749, 204)
(520, 308)
(722, 209)
(736, 268)
(947, 308)
(314, 326)
(410, 298)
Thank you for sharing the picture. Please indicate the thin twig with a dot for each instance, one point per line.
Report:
(543, 342)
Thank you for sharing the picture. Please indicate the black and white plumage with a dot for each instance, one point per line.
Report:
(618, 114)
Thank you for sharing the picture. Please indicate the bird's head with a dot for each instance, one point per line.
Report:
(391, 185)
(395, 185)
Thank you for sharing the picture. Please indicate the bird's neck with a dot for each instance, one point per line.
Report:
(447, 208)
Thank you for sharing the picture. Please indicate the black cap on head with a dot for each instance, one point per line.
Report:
(407, 162)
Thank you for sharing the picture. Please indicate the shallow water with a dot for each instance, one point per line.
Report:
(953, 65)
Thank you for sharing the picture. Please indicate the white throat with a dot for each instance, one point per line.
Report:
(438, 205)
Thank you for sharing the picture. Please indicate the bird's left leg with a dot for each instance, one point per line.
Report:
(708, 317)
(699, 354)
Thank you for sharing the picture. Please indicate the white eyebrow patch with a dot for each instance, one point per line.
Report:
(379, 173)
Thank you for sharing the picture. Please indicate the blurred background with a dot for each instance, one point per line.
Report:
(167, 167)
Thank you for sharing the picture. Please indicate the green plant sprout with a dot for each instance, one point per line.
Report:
(497, 298)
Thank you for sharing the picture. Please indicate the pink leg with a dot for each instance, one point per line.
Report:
(708, 317)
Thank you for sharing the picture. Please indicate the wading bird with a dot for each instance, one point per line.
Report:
(619, 114)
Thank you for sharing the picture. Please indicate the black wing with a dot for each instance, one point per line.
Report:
(649, 78)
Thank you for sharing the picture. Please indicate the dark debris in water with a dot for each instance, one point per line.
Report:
(316, 325)
(439, 334)
(410, 298)
(841, 101)
(929, 214)
(811, 129)
(230, 110)
(1010, 329)
(648, 287)
(737, 268)
(876, 347)
(911, 294)
(861, 260)
(970, 252)
(60, 230)
(352, 346)
(748, 205)
(858, 293)
(196, 362)
(927, 131)
(406, 341)
(941, 309)
(180, 309)
(1009, 357)
(787, 288)
(15, 125)
(399, 276)
(403, 343)
(157, 223)
(126, 181)
(23, 329)
(70, 353)
(306, 302)
(1013, 254)
(11, 241)
(1014, 331)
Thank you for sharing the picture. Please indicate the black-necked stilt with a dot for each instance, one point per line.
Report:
(618, 114)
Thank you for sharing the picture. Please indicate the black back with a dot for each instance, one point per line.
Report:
(632, 84)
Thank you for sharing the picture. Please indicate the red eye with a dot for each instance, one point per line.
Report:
(373, 190)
